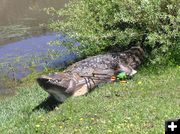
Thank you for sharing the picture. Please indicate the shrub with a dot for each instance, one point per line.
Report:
(99, 24)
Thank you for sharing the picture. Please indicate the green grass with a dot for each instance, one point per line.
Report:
(139, 107)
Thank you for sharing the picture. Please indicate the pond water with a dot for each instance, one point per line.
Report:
(24, 37)
(24, 18)
(18, 56)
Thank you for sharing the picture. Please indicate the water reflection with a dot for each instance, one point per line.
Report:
(16, 58)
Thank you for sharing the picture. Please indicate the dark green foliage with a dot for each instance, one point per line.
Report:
(98, 24)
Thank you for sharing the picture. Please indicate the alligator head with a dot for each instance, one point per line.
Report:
(63, 85)
(55, 86)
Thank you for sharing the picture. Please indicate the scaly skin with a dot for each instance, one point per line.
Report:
(83, 76)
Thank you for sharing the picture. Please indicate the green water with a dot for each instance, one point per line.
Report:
(24, 18)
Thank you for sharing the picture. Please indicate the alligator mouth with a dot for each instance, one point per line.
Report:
(44, 82)
(48, 82)
(51, 86)
(59, 95)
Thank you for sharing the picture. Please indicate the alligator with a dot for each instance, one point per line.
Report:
(83, 76)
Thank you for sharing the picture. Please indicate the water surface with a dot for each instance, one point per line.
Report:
(24, 18)
(36, 52)
(24, 38)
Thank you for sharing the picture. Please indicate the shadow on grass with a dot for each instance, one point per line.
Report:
(49, 104)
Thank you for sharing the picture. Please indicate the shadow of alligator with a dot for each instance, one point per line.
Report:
(49, 104)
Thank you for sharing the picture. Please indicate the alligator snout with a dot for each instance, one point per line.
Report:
(43, 82)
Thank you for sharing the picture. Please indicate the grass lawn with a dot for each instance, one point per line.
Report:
(139, 107)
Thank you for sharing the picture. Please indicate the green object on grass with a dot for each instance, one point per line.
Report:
(121, 75)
